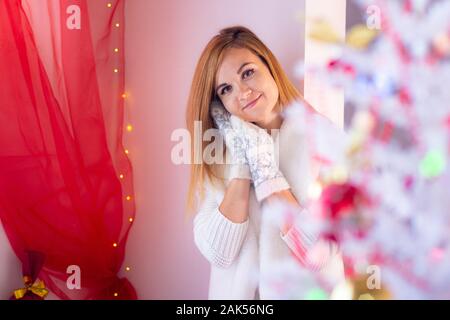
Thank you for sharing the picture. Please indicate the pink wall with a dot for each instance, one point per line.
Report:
(163, 41)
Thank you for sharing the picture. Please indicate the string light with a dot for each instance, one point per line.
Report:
(316, 294)
(115, 294)
(129, 128)
(315, 190)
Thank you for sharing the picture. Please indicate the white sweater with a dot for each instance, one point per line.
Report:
(242, 253)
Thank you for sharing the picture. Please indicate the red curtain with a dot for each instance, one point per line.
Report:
(65, 180)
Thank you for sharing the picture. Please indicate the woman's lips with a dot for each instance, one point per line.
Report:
(252, 103)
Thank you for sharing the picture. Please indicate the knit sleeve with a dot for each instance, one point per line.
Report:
(311, 252)
(218, 238)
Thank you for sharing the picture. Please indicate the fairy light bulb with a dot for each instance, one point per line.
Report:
(433, 164)
(315, 190)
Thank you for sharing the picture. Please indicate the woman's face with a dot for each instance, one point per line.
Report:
(246, 87)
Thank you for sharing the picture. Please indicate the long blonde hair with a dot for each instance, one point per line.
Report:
(202, 93)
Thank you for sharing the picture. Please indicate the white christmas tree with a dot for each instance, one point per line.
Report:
(385, 199)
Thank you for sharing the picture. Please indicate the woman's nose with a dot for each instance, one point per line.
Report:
(244, 92)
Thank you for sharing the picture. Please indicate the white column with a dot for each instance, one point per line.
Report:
(326, 100)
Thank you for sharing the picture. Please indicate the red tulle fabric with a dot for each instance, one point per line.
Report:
(65, 181)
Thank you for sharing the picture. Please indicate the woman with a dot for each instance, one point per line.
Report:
(240, 89)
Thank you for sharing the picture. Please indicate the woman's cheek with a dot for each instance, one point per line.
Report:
(257, 83)
(232, 107)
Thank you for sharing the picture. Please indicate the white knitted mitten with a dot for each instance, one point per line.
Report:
(260, 154)
(234, 142)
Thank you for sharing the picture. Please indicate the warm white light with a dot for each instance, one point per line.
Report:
(315, 190)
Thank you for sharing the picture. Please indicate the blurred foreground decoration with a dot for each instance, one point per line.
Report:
(384, 195)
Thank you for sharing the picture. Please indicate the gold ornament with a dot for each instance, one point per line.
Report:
(323, 32)
(359, 37)
(360, 288)
(442, 43)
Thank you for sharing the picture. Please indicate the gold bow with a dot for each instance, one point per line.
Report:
(38, 288)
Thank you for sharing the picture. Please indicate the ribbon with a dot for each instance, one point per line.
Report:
(38, 288)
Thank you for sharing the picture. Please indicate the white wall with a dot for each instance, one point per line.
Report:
(163, 42)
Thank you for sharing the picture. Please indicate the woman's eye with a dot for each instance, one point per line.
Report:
(248, 73)
(225, 90)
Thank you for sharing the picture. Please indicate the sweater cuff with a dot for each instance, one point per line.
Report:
(269, 187)
(299, 243)
(227, 239)
(239, 171)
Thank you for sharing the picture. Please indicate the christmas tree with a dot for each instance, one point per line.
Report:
(385, 198)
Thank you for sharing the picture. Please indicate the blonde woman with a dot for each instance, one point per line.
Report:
(240, 89)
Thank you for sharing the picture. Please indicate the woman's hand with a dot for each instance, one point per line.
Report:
(252, 149)
(261, 156)
(234, 142)
(235, 204)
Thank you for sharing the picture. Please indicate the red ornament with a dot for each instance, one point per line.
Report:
(340, 200)
(348, 69)
(408, 182)
(404, 96)
(343, 206)
(386, 132)
(333, 64)
(447, 122)
(407, 6)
